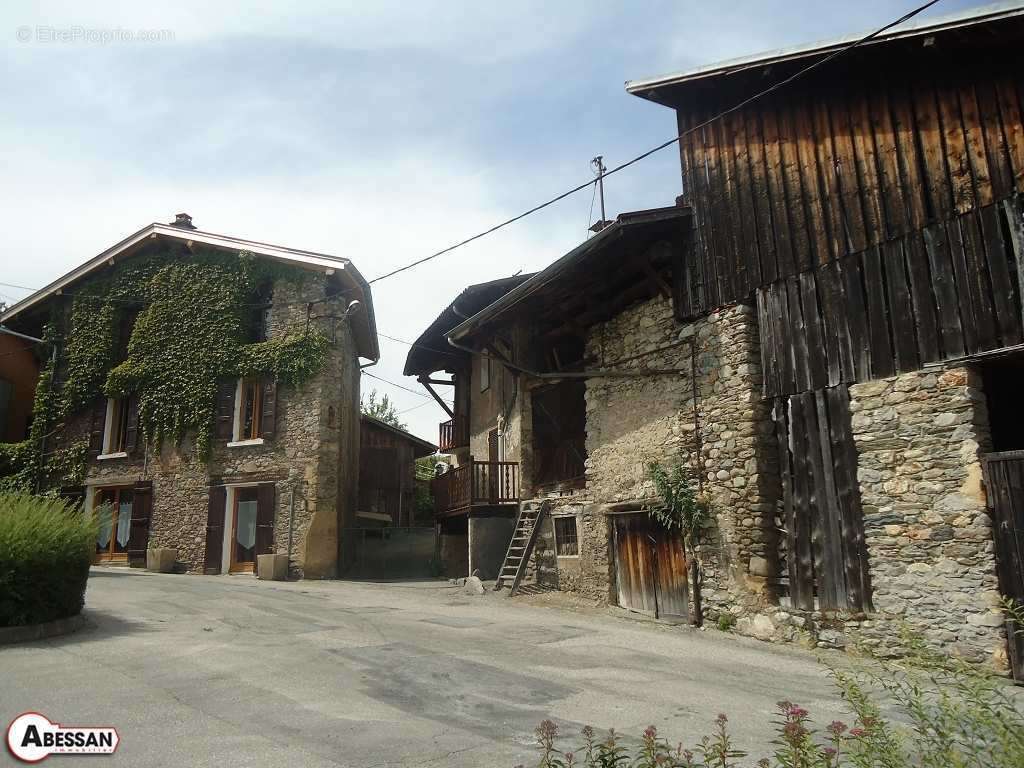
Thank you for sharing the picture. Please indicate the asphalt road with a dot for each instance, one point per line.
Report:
(218, 671)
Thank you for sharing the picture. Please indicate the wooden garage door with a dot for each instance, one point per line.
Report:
(650, 568)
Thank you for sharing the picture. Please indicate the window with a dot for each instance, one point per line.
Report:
(250, 415)
(566, 537)
(485, 372)
(259, 319)
(119, 434)
(124, 333)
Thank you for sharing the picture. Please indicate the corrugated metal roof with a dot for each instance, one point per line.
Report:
(367, 338)
(648, 87)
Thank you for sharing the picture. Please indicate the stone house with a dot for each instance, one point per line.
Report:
(827, 331)
(270, 463)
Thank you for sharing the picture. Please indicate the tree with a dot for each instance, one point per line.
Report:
(382, 410)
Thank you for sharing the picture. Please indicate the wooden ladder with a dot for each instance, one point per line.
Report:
(520, 547)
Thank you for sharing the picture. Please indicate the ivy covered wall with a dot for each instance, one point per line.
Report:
(163, 327)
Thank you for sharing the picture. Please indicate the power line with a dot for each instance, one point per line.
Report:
(622, 166)
(393, 384)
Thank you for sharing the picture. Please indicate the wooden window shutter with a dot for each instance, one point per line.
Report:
(268, 418)
(265, 509)
(99, 420)
(131, 428)
(138, 536)
(215, 529)
(225, 427)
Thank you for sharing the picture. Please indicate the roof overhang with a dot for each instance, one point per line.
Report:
(431, 351)
(363, 323)
(623, 225)
(656, 88)
(425, 448)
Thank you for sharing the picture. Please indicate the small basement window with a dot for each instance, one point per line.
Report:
(566, 536)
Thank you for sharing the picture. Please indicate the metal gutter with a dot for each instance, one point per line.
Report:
(646, 87)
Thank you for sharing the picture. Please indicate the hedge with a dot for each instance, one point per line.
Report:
(46, 546)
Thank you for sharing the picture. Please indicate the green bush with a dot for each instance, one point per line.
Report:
(46, 546)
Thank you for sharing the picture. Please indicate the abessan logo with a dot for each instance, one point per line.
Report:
(31, 737)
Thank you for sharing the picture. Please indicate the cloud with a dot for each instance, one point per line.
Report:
(381, 132)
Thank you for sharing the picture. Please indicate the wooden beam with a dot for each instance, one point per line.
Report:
(426, 385)
(444, 382)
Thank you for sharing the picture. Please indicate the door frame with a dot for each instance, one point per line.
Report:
(112, 557)
(228, 565)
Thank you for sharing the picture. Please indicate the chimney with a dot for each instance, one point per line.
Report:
(183, 220)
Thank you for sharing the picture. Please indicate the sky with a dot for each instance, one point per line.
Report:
(378, 131)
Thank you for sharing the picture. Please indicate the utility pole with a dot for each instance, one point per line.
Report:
(599, 167)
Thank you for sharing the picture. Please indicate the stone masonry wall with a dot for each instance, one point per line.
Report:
(305, 456)
(919, 436)
(632, 421)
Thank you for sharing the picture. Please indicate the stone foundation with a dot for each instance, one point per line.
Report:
(919, 436)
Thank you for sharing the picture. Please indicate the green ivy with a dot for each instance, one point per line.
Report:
(191, 331)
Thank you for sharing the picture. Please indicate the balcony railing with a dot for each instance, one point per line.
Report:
(477, 483)
(453, 434)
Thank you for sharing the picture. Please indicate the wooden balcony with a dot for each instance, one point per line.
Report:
(454, 433)
(476, 484)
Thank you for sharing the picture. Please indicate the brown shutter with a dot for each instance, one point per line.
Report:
(138, 537)
(268, 420)
(131, 427)
(226, 410)
(99, 420)
(265, 508)
(215, 529)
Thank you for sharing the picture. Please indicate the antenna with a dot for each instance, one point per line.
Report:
(599, 167)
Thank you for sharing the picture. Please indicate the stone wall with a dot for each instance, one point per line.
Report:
(307, 456)
(632, 421)
(919, 436)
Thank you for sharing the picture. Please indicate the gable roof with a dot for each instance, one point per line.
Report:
(426, 448)
(657, 88)
(431, 351)
(363, 323)
(630, 228)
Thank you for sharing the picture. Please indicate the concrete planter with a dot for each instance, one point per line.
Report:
(161, 560)
(272, 567)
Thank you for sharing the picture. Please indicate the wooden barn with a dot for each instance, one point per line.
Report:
(826, 331)
(387, 475)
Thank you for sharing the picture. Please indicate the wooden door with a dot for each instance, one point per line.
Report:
(1004, 478)
(650, 568)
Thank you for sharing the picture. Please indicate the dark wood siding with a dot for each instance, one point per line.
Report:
(825, 552)
(825, 169)
(946, 291)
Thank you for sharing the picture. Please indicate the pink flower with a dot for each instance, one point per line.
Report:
(837, 727)
(857, 732)
(651, 732)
